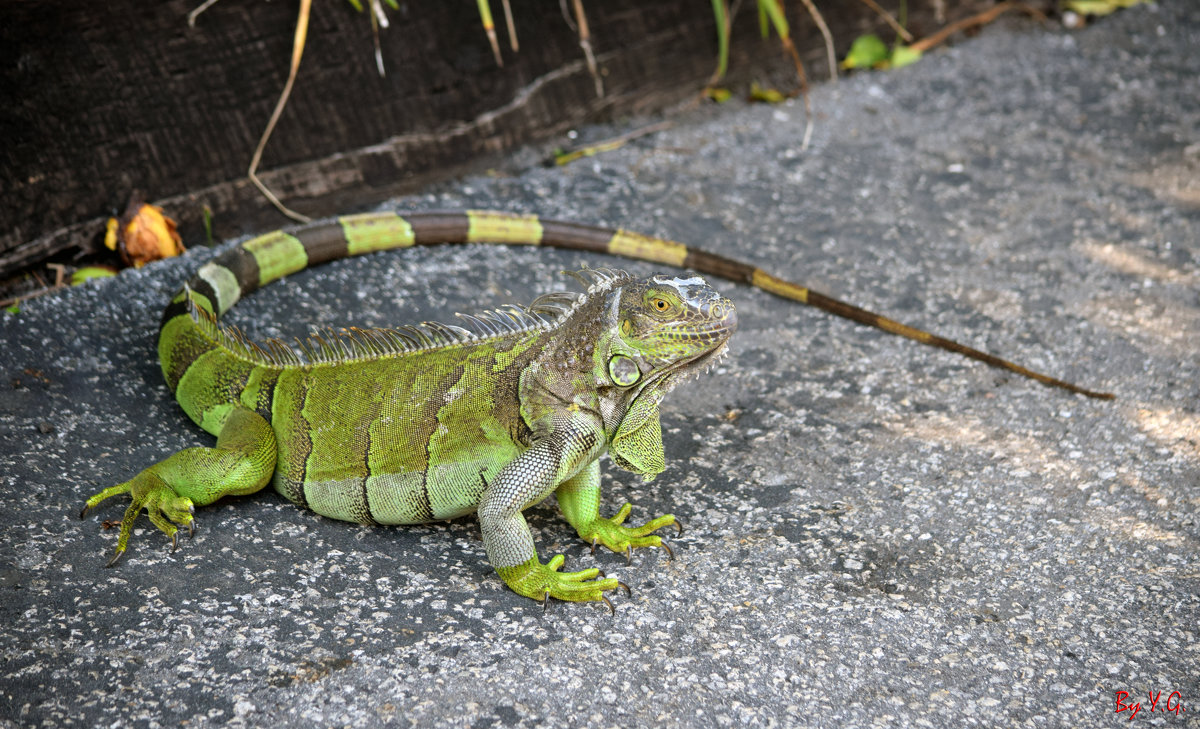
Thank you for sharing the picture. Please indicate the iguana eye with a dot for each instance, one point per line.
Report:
(660, 304)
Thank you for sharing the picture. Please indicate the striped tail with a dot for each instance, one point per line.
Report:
(219, 284)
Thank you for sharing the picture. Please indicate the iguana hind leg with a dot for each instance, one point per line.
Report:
(579, 500)
(241, 463)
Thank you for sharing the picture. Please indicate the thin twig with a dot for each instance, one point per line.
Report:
(566, 13)
(808, 115)
(297, 52)
(983, 18)
(778, 16)
(59, 273)
(586, 44)
(378, 20)
(831, 57)
(191, 17)
(890, 20)
(610, 144)
(489, 27)
(512, 28)
(31, 295)
(721, 11)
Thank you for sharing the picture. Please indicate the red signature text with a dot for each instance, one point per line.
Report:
(1173, 704)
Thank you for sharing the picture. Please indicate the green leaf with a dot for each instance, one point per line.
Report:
(208, 234)
(770, 96)
(772, 10)
(87, 273)
(722, 37)
(1100, 7)
(718, 94)
(867, 51)
(13, 309)
(357, 5)
(904, 55)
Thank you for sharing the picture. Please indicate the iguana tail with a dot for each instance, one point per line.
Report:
(218, 285)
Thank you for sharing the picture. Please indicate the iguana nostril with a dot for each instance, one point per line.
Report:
(727, 312)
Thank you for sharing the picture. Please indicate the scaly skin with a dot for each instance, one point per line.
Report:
(418, 424)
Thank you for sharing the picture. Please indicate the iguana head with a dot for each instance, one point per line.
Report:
(618, 350)
(667, 328)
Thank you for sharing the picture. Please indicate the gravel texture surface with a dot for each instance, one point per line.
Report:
(878, 534)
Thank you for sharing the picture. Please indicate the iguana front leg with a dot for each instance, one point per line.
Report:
(579, 500)
(241, 463)
(571, 446)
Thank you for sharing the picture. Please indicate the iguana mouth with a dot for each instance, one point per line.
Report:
(685, 370)
(721, 325)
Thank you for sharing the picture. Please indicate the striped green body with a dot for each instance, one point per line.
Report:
(431, 422)
(374, 442)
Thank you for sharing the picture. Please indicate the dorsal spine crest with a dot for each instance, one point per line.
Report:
(335, 346)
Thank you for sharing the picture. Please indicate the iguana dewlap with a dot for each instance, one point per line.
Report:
(429, 422)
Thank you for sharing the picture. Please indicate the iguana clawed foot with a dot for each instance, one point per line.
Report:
(612, 533)
(164, 507)
(542, 581)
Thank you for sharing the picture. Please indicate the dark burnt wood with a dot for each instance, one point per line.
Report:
(104, 99)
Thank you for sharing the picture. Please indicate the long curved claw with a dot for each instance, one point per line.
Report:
(679, 528)
(670, 552)
(116, 558)
(628, 593)
(628, 554)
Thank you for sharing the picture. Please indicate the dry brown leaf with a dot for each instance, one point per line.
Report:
(142, 235)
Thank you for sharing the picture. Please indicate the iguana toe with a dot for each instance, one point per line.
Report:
(612, 533)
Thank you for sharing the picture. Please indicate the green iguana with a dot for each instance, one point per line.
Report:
(430, 422)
